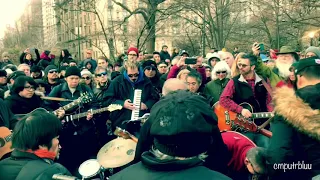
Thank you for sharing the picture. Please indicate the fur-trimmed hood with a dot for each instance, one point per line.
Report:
(297, 109)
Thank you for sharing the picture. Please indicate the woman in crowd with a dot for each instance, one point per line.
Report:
(26, 57)
(220, 75)
(87, 78)
(102, 83)
(23, 98)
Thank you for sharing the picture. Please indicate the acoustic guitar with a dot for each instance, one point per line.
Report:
(226, 118)
(6, 135)
(5, 141)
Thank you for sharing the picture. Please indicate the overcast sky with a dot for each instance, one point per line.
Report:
(10, 10)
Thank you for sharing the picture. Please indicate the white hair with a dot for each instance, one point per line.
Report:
(21, 66)
(220, 66)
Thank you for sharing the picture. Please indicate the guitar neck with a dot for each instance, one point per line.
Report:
(68, 106)
(262, 115)
(81, 115)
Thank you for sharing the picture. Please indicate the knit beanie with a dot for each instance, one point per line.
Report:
(182, 124)
(73, 71)
(133, 49)
(314, 49)
(48, 68)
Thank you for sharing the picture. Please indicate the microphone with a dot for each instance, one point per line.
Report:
(63, 177)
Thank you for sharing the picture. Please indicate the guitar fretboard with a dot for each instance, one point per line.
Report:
(8, 138)
(262, 115)
(68, 106)
(81, 115)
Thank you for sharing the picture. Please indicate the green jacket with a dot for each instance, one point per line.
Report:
(265, 71)
(215, 88)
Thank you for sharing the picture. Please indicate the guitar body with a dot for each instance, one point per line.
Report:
(5, 141)
(225, 117)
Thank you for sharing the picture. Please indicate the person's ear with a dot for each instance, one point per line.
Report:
(246, 161)
(253, 67)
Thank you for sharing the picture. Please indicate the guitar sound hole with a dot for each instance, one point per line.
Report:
(2, 142)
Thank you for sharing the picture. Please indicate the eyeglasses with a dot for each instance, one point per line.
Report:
(133, 75)
(101, 74)
(30, 88)
(53, 71)
(86, 78)
(242, 65)
(132, 55)
(221, 72)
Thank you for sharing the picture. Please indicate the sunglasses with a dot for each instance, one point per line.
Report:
(221, 72)
(101, 74)
(53, 71)
(86, 78)
(133, 75)
(132, 55)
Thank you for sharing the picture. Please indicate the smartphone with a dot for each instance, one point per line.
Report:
(190, 60)
(261, 47)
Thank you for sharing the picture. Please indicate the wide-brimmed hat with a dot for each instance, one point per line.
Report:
(288, 50)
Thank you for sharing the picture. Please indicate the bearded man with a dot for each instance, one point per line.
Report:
(281, 72)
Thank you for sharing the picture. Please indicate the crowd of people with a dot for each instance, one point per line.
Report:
(182, 138)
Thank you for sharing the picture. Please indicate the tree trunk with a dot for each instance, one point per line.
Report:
(151, 36)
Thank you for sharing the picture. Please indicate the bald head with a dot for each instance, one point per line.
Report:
(173, 84)
(227, 57)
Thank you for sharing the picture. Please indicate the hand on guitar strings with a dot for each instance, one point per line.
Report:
(60, 113)
(246, 113)
(129, 105)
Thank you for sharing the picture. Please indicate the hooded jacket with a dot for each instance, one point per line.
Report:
(296, 132)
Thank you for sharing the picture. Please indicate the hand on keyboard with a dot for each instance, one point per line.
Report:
(128, 105)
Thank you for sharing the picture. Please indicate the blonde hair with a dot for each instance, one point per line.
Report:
(131, 65)
(234, 68)
(220, 66)
(183, 71)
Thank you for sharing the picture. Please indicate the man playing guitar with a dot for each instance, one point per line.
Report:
(247, 87)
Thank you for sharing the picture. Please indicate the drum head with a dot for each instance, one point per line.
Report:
(117, 153)
(89, 168)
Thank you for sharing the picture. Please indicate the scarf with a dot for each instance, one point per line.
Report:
(43, 153)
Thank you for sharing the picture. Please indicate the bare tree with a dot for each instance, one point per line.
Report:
(151, 14)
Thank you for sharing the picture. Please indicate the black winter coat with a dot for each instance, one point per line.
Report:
(151, 168)
(6, 117)
(23, 165)
(296, 135)
(120, 90)
(21, 105)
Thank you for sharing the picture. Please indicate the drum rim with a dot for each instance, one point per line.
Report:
(98, 171)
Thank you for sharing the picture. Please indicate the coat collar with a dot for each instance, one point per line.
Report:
(296, 112)
(257, 78)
